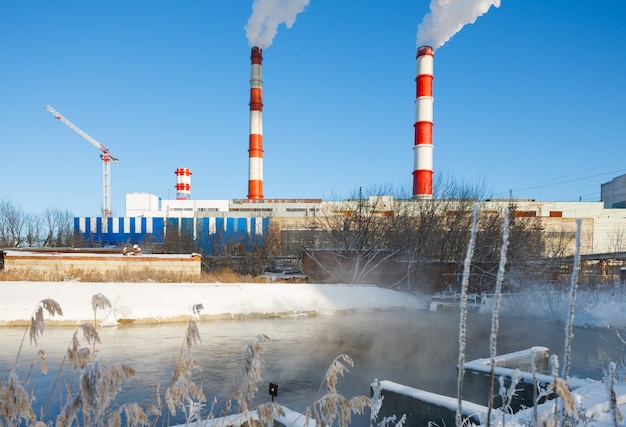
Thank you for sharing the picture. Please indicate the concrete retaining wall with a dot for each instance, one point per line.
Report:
(477, 378)
(51, 262)
(422, 407)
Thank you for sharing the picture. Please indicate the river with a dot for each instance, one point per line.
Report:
(416, 348)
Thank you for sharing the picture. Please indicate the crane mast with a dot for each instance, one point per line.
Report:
(106, 157)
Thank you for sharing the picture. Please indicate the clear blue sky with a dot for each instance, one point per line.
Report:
(530, 98)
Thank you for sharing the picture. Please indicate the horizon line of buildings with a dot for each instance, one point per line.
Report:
(149, 218)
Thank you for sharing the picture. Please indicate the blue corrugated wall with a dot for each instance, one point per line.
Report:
(209, 232)
(119, 230)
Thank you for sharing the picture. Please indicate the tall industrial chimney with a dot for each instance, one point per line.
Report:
(183, 184)
(423, 147)
(255, 150)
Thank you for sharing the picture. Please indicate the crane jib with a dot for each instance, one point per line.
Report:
(105, 156)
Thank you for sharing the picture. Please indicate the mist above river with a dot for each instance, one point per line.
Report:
(414, 347)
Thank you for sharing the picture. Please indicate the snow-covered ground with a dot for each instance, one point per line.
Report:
(167, 302)
(159, 302)
(170, 302)
(602, 307)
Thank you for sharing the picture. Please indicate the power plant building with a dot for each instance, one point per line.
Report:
(613, 193)
(150, 219)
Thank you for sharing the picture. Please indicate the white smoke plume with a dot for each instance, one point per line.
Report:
(267, 15)
(447, 17)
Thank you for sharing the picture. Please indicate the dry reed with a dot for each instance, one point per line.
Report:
(332, 405)
(609, 382)
(134, 415)
(15, 401)
(78, 358)
(36, 325)
(560, 388)
(99, 385)
(182, 391)
(252, 369)
(253, 364)
(268, 412)
(41, 355)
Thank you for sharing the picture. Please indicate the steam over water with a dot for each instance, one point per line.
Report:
(416, 348)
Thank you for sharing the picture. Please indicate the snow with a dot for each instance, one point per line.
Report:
(167, 302)
(484, 365)
(589, 394)
(435, 399)
(426, 396)
(291, 418)
(602, 307)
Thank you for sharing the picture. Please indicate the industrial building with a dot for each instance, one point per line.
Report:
(613, 193)
(150, 219)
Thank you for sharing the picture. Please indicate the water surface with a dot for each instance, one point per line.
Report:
(416, 348)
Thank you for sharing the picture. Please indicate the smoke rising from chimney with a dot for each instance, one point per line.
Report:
(447, 17)
(267, 15)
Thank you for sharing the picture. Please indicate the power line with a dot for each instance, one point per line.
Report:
(568, 181)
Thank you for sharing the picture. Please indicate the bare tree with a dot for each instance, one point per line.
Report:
(58, 228)
(12, 220)
(32, 231)
(440, 231)
(617, 247)
(249, 255)
(361, 236)
(391, 241)
(178, 239)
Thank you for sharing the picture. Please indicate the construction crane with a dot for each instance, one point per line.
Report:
(106, 157)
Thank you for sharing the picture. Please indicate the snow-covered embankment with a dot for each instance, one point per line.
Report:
(171, 302)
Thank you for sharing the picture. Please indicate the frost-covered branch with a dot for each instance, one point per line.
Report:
(496, 309)
(463, 322)
(569, 332)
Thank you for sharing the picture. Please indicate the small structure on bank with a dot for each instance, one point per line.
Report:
(133, 261)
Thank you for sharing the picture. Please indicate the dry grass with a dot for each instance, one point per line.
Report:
(15, 401)
(332, 405)
(225, 275)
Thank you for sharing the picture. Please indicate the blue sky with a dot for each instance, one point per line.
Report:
(528, 100)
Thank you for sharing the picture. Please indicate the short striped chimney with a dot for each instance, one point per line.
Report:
(423, 147)
(255, 150)
(183, 183)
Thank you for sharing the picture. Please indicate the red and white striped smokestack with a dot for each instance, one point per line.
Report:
(423, 147)
(183, 183)
(255, 150)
